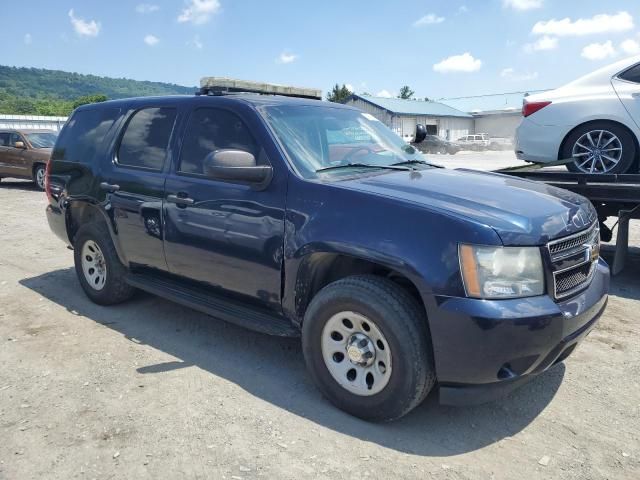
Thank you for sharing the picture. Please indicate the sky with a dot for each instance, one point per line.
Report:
(439, 48)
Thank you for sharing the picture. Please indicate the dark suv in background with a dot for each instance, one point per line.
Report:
(25, 153)
(300, 217)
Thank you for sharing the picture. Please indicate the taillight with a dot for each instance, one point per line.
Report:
(529, 108)
(47, 182)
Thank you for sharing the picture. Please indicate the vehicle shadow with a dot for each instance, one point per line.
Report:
(272, 368)
(18, 185)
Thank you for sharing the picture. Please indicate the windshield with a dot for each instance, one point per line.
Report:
(42, 140)
(318, 137)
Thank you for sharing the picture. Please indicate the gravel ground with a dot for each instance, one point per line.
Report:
(149, 389)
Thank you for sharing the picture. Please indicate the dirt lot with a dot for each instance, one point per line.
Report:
(149, 389)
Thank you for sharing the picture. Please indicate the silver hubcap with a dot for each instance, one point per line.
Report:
(93, 265)
(40, 177)
(597, 151)
(356, 353)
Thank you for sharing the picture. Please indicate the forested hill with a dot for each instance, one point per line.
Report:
(36, 91)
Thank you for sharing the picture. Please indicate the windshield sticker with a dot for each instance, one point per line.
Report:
(368, 116)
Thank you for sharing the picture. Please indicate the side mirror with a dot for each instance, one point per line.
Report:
(19, 145)
(231, 165)
(421, 133)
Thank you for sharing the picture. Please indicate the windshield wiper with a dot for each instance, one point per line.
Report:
(414, 162)
(363, 165)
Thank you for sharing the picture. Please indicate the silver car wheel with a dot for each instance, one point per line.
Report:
(40, 177)
(94, 266)
(597, 151)
(356, 353)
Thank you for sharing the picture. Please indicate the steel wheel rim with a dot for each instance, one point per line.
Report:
(94, 266)
(40, 173)
(356, 353)
(597, 151)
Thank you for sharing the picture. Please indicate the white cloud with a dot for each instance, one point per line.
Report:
(83, 27)
(199, 12)
(286, 57)
(603, 23)
(599, 51)
(543, 43)
(458, 63)
(522, 4)
(147, 8)
(630, 47)
(151, 40)
(429, 19)
(350, 87)
(27, 39)
(384, 93)
(512, 74)
(463, 9)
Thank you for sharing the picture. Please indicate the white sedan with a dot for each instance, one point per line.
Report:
(594, 121)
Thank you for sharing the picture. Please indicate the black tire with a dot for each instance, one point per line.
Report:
(626, 138)
(115, 289)
(402, 321)
(38, 176)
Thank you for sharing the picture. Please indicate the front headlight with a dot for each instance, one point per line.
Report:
(501, 272)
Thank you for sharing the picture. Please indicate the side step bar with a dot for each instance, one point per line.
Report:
(214, 305)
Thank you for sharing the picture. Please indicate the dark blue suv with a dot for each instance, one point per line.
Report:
(300, 217)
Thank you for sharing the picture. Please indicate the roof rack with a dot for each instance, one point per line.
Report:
(226, 86)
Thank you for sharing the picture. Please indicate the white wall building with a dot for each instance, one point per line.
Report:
(402, 116)
(32, 122)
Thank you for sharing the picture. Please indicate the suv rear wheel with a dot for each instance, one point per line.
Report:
(98, 267)
(367, 347)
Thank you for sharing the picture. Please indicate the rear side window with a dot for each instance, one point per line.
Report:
(631, 75)
(146, 138)
(213, 129)
(4, 139)
(83, 134)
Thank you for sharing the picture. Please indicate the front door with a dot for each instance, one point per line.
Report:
(12, 161)
(134, 182)
(226, 235)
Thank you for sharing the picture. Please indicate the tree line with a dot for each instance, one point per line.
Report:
(340, 94)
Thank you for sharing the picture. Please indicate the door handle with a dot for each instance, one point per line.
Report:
(179, 200)
(107, 187)
(635, 95)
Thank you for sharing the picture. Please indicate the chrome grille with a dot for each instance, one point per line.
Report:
(580, 252)
(574, 279)
(574, 241)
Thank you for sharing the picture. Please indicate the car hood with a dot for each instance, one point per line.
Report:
(521, 212)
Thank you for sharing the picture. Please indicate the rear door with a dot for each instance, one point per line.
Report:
(134, 180)
(627, 86)
(223, 234)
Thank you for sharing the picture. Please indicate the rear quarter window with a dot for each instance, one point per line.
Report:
(83, 134)
(632, 74)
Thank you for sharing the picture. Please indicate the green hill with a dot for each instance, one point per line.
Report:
(36, 91)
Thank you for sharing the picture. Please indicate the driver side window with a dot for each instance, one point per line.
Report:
(14, 138)
(211, 129)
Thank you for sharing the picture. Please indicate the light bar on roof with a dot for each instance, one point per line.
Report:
(222, 85)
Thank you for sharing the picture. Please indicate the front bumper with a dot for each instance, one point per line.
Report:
(485, 348)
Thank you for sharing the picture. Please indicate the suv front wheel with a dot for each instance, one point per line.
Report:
(367, 347)
(98, 267)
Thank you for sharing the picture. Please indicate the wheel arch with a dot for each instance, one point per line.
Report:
(79, 213)
(321, 267)
(605, 120)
